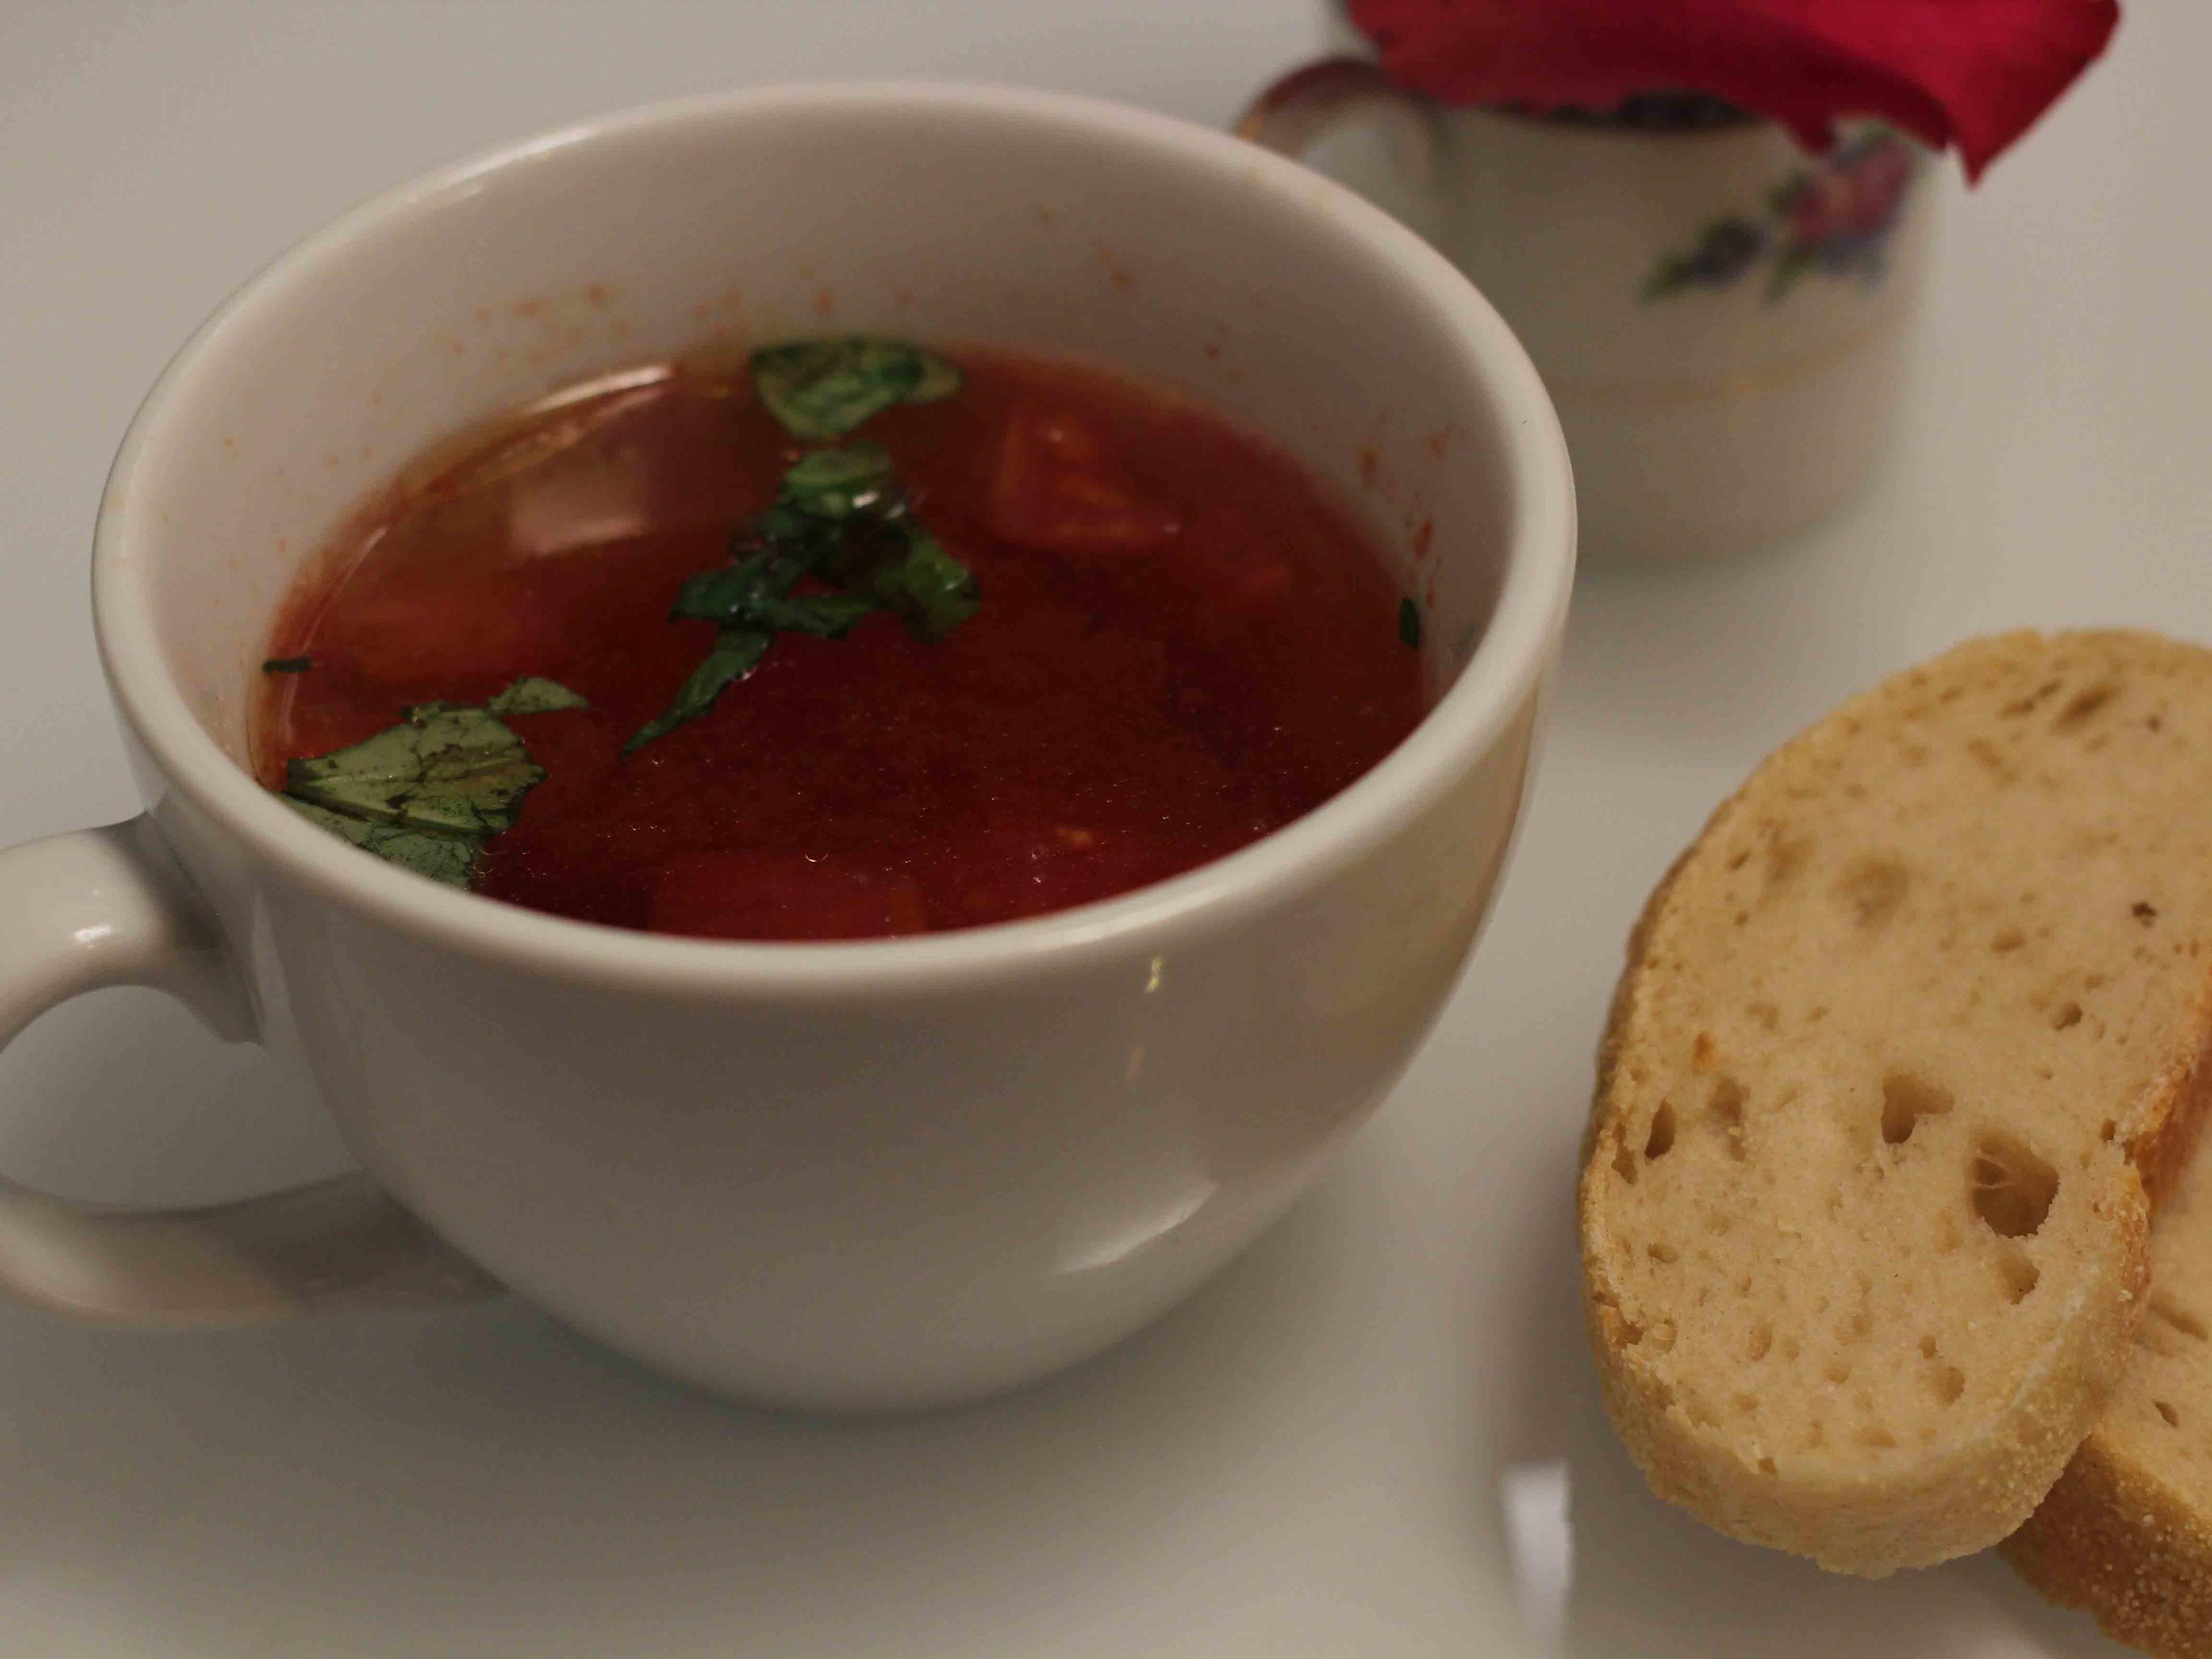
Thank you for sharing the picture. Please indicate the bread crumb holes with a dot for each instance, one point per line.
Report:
(2013, 1187)
(2021, 1275)
(1905, 1099)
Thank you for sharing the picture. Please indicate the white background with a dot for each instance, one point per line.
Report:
(1375, 1435)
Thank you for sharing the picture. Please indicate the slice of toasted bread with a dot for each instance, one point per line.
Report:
(2127, 1532)
(1902, 1041)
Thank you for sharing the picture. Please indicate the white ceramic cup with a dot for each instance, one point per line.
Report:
(1721, 320)
(849, 1175)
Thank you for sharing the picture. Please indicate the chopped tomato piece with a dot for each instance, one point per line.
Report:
(1058, 488)
(781, 896)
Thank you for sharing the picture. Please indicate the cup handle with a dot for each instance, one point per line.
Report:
(104, 907)
(1296, 111)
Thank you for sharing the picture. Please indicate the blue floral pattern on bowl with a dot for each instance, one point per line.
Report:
(1834, 218)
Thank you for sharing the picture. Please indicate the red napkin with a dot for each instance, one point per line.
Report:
(1976, 73)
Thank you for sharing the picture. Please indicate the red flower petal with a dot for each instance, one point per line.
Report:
(1977, 73)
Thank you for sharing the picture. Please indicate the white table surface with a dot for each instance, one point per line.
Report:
(1377, 1434)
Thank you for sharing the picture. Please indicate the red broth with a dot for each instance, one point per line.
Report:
(1182, 643)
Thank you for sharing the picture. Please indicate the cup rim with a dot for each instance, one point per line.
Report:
(1505, 665)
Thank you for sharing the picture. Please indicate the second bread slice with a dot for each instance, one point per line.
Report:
(1906, 1041)
(2127, 1532)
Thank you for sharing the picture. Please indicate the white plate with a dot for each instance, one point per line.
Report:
(1377, 1436)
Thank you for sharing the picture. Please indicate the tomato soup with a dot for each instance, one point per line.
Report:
(889, 645)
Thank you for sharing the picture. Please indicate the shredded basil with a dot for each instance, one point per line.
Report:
(449, 859)
(444, 767)
(735, 653)
(855, 482)
(1409, 622)
(825, 616)
(918, 582)
(426, 793)
(532, 696)
(734, 593)
(825, 388)
(288, 665)
(842, 518)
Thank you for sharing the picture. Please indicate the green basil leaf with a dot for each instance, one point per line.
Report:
(288, 665)
(825, 388)
(442, 857)
(825, 616)
(842, 516)
(737, 652)
(532, 696)
(448, 768)
(939, 378)
(782, 526)
(1409, 622)
(928, 589)
(855, 482)
(755, 593)
(426, 794)
(729, 594)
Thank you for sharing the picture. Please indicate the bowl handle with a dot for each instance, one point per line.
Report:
(104, 907)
